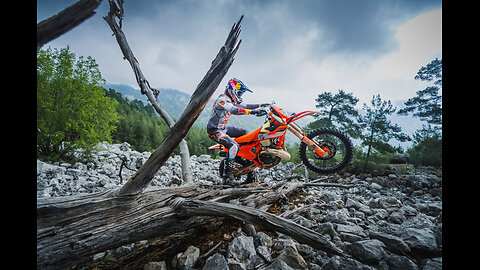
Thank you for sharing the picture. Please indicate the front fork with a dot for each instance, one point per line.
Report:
(297, 131)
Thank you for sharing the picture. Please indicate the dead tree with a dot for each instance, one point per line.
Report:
(116, 12)
(64, 21)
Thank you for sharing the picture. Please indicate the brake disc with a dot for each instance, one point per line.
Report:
(329, 147)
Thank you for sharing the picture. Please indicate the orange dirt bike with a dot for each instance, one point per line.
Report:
(323, 150)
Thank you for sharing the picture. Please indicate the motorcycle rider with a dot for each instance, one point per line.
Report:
(226, 104)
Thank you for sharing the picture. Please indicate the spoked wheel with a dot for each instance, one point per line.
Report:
(337, 145)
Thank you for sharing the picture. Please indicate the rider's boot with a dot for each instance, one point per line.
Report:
(251, 177)
(228, 178)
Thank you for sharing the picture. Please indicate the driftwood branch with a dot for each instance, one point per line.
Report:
(198, 100)
(57, 25)
(263, 219)
(116, 12)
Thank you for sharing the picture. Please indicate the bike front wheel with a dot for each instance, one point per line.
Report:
(335, 143)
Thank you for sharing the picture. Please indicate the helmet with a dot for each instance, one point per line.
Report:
(235, 89)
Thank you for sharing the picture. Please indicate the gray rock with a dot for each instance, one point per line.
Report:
(397, 262)
(155, 266)
(368, 251)
(264, 253)
(262, 239)
(418, 181)
(396, 217)
(242, 250)
(216, 262)
(352, 229)
(431, 208)
(421, 241)
(340, 216)
(327, 228)
(292, 258)
(279, 265)
(433, 264)
(188, 258)
(342, 263)
(234, 265)
(375, 186)
(392, 243)
(349, 237)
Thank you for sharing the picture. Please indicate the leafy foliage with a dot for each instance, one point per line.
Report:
(72, 110)
(141, 127)
(378, 130)
(428, 103)
(138, 123)
(427, 148)
(337, 111)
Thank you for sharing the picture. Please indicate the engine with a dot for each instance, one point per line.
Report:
(269, 160)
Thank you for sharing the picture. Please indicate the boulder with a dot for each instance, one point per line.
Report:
(291, 257)
(216, 262)
(188, 258)
(421, 241)
(155, 266)
(343, 263)
(392, 243)
(368, 251)
(262, 239)
(242, 249)
(397, 262)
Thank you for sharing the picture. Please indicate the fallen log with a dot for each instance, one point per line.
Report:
(259, 218)
(72, 228)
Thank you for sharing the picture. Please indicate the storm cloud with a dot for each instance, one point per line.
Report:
(288, 47)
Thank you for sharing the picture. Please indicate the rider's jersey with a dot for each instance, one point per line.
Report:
(223, 107)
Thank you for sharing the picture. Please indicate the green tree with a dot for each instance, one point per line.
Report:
(72, 109)
(337, 111)
(428, 103)
(378, 129)
(427, 148)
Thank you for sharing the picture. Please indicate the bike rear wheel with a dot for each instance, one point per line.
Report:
(336, 143)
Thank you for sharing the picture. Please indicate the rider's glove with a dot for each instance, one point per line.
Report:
(258, 112)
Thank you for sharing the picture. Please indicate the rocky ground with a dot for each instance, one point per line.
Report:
(392, 221)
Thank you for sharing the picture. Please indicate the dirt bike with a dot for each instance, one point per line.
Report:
(323, 150)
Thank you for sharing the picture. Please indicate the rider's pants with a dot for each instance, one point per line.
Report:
(224, 137)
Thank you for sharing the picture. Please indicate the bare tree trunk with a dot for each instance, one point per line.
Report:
(116, 11)
(57, 25)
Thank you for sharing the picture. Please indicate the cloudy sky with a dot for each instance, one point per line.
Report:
(291, 51)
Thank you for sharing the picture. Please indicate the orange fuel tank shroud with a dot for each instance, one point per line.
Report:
(246, 152)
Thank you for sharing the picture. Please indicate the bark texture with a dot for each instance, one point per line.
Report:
(57, 25)
(69, 228)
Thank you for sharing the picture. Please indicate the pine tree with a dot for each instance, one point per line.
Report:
(428, 103)
(378, 129)
(337, 111)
